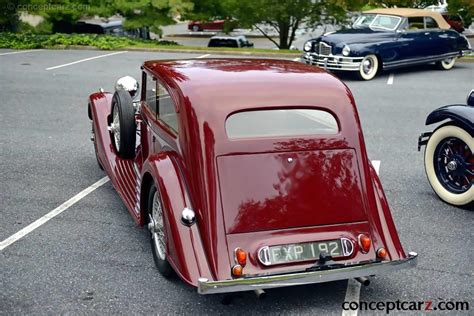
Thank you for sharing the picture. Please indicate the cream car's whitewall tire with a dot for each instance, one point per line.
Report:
(440, 135)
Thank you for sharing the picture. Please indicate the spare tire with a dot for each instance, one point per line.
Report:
(123, 127)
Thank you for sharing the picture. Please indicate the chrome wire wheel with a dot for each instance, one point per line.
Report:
(157, 231)
(449, 164)
(115, 127)
(158, 238)
(453, 161)
(368, 67)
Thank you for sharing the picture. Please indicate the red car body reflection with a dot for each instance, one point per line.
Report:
(252, 193)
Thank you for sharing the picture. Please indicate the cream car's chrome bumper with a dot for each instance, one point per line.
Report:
(333, 62)
(273, 281)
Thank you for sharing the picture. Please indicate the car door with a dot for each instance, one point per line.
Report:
(437, 43)
(160, 121)
(414, 40)
(166, 118)
(148, 115)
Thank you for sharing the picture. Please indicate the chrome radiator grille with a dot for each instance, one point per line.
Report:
(324, 49)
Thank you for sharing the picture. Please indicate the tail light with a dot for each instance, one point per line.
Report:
(364, 243)
(382, 253)
(240, 256)
(237, 270)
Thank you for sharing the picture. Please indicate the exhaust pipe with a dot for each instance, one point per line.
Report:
(260, 293)
(363, 280)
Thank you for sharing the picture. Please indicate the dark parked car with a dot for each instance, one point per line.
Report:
(229, 41)
(449, 158)
(248, 174)
(387, 39)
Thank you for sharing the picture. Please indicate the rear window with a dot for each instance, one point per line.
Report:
(280, 123)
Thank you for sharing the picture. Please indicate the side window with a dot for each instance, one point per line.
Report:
(430, 23)
(150, 93)
(166, 110)
(416, 23)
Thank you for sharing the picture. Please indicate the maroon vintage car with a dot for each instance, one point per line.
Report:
(196, 26)
(249, 174)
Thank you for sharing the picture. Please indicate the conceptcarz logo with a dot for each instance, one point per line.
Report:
(390, 306)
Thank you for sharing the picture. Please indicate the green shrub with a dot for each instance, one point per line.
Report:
(31, 40)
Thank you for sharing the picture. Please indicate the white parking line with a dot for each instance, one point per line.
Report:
(353, 286)
(376, 164)
(58, 210)
(204, 56)
(390, 79)
(85, 59)
(352, 295)
(21, 52)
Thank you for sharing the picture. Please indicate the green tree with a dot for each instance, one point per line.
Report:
(137, 13)
(287, 16)
(465, 8)
(403, 3)
(9, 15)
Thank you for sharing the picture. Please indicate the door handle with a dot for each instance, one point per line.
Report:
(153, 138)
(427, 33)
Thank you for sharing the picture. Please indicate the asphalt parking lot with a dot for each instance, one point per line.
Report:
(92, 258)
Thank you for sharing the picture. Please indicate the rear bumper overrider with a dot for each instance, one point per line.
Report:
(307, 277)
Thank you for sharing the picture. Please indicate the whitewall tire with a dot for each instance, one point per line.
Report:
(368, 67)
(441, 163)
(447, 63)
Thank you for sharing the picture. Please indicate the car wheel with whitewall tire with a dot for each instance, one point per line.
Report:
(368, 67)
(196, 28)
(449, 164)
(446, 64)
(156, 227)
(123, 127)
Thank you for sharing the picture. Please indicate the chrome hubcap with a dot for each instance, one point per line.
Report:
(367, 66)
(448, 61)
(452, 165)
(156, 227)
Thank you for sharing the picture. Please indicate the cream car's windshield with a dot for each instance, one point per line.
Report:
(377, 21)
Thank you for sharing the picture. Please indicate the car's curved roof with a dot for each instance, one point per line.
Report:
(408, 12)
(228, 85)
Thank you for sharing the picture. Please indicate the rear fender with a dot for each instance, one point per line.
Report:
(184, 248)
(98, 110)
(459, 114)
(387, 226)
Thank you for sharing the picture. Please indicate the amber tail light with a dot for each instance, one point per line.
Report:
(364, 243)
(240, 256)
(382, 253)
(237, 270)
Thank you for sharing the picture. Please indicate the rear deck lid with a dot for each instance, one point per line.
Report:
(268, 191)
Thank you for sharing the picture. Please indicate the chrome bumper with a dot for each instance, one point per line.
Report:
(333, 62)
(300, 278)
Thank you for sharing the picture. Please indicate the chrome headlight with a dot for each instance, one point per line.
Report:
(129, 84)
(307, 46)
(346, 50)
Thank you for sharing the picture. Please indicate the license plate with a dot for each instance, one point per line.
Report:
(299, 252)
